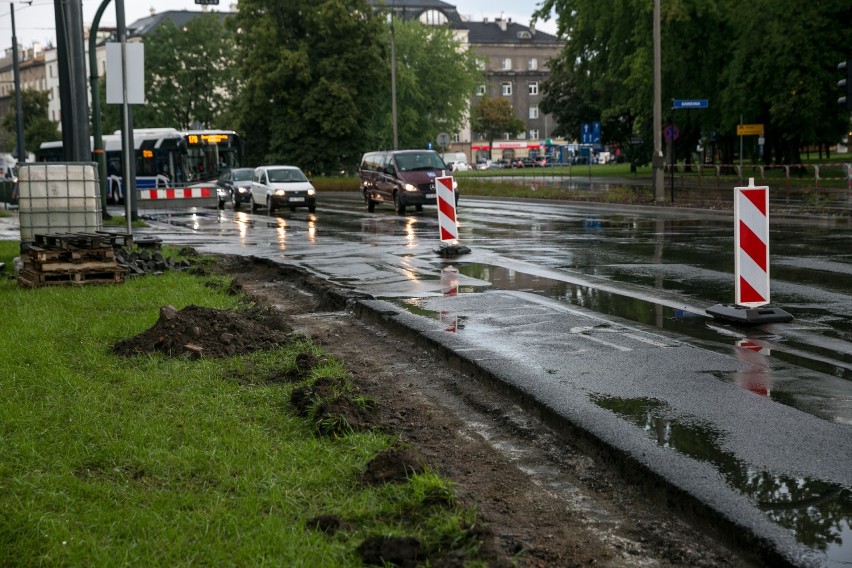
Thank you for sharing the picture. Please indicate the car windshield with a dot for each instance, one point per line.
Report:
(242, 175)
(286, 176)
(419, 161)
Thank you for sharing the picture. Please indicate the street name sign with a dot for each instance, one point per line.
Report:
(689, 103)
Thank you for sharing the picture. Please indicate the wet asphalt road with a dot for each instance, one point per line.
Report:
(596, 314)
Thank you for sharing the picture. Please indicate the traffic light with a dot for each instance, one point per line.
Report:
(845, 84)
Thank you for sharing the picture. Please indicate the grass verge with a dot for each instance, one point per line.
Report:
(106, 461)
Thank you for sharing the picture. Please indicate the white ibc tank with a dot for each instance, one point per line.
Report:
(58, 197)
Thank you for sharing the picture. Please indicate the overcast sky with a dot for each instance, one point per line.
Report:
(35, 20)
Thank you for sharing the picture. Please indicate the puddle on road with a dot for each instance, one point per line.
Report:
(710, 334)
(819, 513)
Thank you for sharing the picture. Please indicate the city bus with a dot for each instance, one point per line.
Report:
(165, 157)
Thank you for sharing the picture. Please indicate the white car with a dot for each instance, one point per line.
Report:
(274, 187)
(460, 167)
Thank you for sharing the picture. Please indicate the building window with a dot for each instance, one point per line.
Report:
(506, 89)
(533, 65)
(433, 18)
(506, 136)
(480, 91)
(533, 111)
(522, 135)
(456, 137)
(532, 87)
(534, 133)
(506, 64)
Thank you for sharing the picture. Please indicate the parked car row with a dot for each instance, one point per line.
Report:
(538, 162)
(270, 187)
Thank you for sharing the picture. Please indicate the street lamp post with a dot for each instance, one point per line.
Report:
(19, 106)
(657, 159)
(393, 83)
(96, 106)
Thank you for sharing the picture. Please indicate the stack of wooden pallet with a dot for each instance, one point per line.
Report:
(72, 259)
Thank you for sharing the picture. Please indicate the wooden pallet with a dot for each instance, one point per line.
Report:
(70, 241)
(39, 254)
(32, 279)
(62, 259)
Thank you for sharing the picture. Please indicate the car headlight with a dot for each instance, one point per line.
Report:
(455, 185)
(311, 191)
(409, 187)
(242, 189)
(280, 192)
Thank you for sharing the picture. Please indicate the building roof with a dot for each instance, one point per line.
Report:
(413, 9)
(146, 26)
(481, 33)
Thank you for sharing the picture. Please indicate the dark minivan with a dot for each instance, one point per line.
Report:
(402, 177)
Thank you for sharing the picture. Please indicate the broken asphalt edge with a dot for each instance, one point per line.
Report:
(709, 504)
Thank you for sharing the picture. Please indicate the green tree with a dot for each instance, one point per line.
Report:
(493, 117)
(313, 74)
(772, 63)
(782, 72)
(190, 74)
(435, 79)
(38, 127)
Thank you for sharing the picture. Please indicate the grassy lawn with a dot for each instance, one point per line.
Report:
(108, 461)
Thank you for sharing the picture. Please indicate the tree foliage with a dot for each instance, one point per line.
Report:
(770, 62)
(435, 79)
(38, 127)
(189, 74)
(312, 74)
(494, 116)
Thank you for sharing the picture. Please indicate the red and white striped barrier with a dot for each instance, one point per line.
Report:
(446, 209)
(751, 261)
(751, 236)
(178, 193)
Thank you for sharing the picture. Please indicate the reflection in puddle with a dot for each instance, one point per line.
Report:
(450, 321)
(819, 513)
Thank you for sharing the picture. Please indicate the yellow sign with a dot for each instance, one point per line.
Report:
(749, 130)
(209, 138)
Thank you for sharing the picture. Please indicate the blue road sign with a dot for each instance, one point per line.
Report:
(590, 133)
(689, 103)
(586, 133)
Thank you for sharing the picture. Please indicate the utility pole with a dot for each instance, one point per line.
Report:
(657, 159)
(72, 80)
(393, 83)
(19, 105)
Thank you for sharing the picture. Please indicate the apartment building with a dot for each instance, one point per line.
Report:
(517, 64)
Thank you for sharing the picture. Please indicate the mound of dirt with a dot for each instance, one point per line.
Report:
(196, 331)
